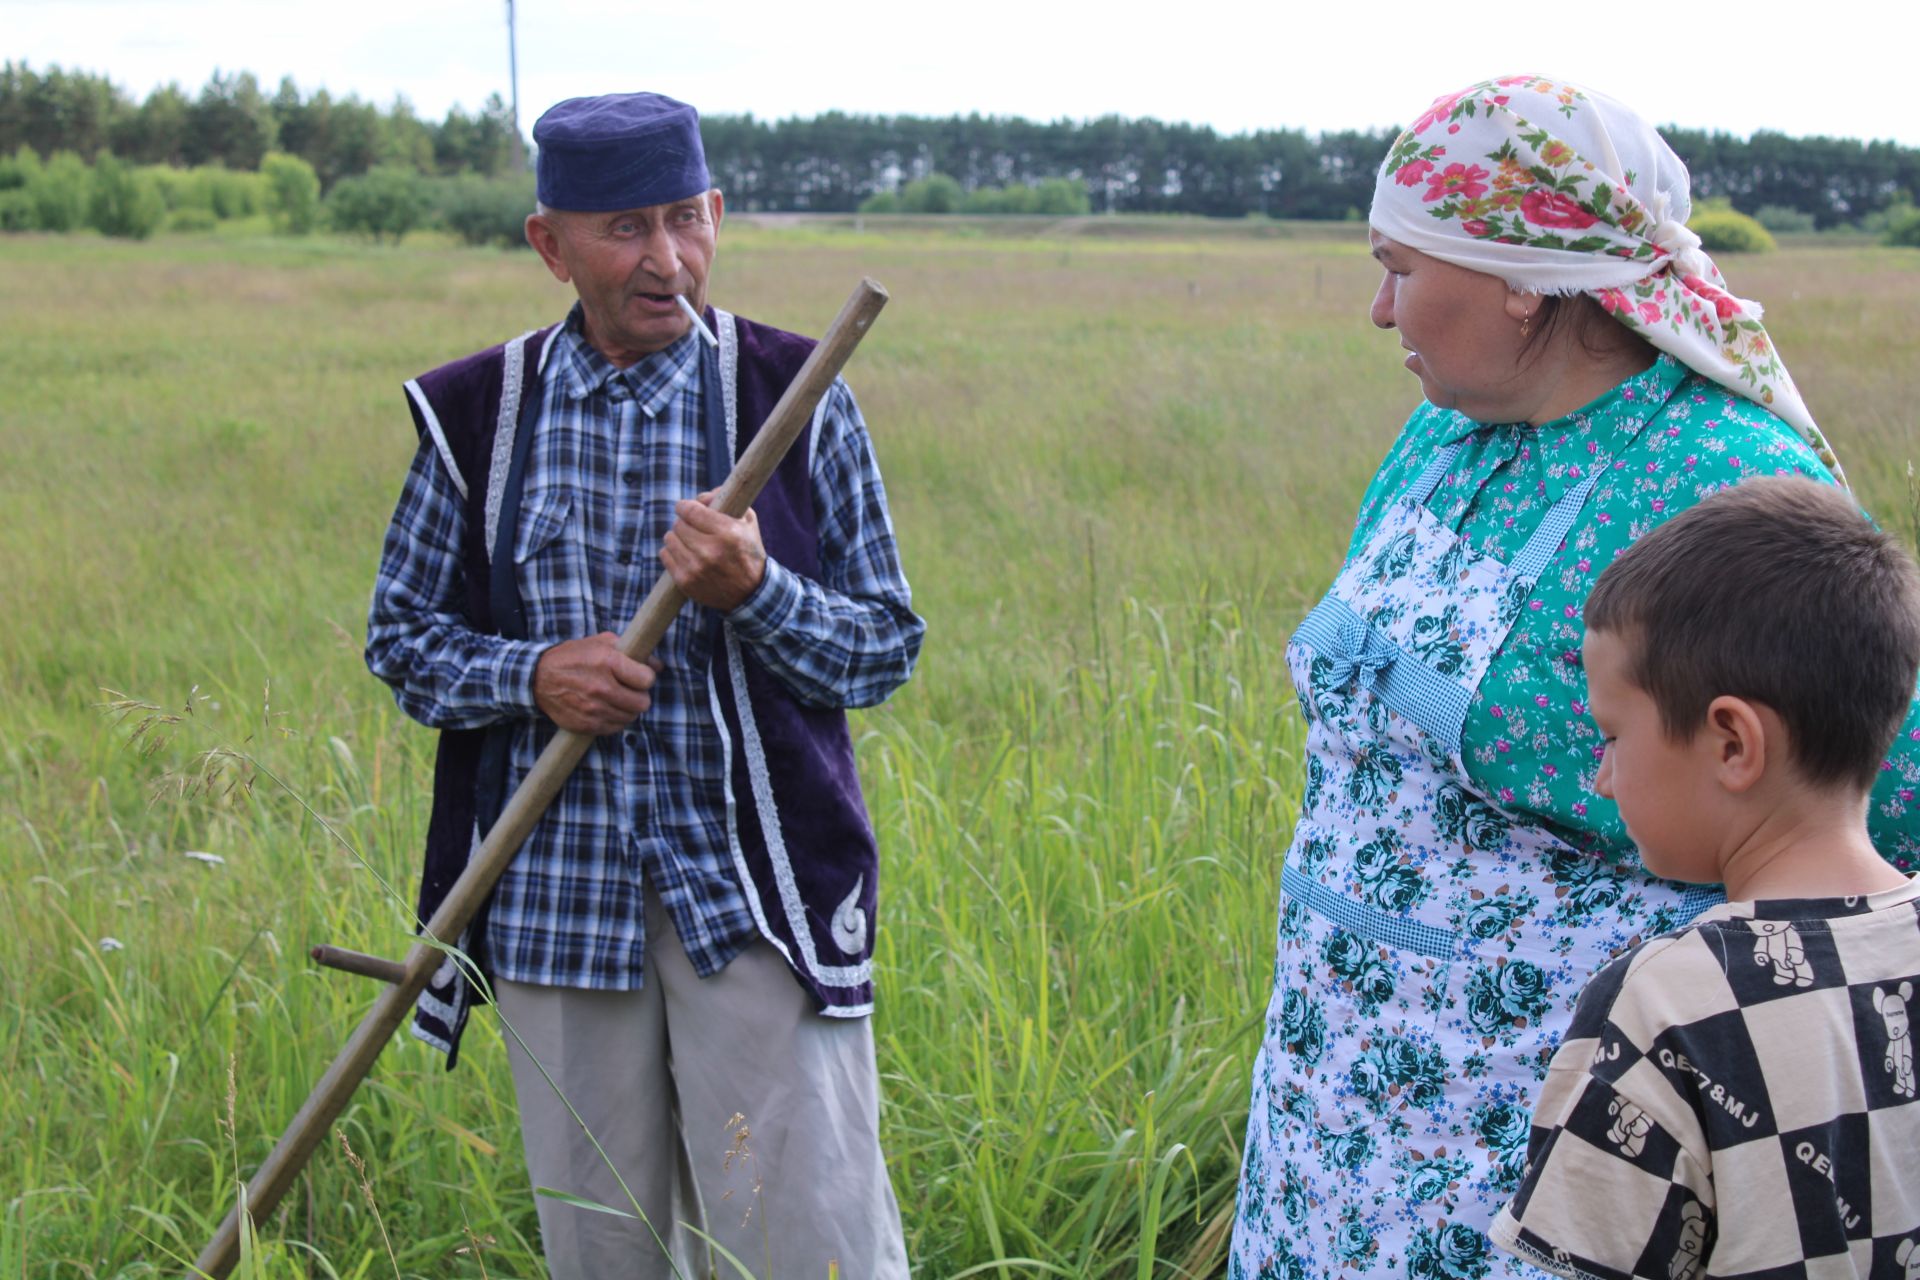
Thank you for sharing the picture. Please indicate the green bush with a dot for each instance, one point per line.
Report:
(213, 189)
(487, 210)
(125, 202)
(1724, 229)
(1902, 226)
(935, 193)
(17, 174)
(292, 192)
(220, 191)
(983, 200)
(1013, 198)
(171, 183)
(387, 201)
(18, 170)
(1784, 220)
(16, 210)
(192, 219)
(229, 193)
(59, 193)
(1062, 197)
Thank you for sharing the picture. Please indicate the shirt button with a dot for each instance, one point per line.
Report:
(632, 738)
(631, 477)
(626, 557)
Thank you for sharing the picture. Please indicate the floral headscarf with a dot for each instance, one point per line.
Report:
(1556, 189)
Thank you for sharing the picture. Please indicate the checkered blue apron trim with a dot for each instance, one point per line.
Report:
(1546, 540)
(1696, 898)
(1398, 678)
(1367, 921)
(1430, 478)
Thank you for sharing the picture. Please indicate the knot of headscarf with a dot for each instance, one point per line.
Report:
(1674, 237)
(1556, 189)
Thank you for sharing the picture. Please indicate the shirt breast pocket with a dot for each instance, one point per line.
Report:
(550, 567)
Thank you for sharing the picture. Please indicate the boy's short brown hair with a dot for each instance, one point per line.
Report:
(1780, 591)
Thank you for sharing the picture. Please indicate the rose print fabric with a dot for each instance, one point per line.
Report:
(1557, 189)
(1446, 896)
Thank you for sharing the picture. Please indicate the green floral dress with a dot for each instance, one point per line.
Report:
(1529, 741)
(1453, 881)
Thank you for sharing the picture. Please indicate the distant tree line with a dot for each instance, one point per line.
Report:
(838, 162)
(1831, 180)
(834, 162)
(231, 121)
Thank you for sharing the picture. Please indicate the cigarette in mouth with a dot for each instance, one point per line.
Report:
(694, 316)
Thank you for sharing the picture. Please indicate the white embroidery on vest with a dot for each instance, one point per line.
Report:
(850, 922)
(1908, 1256)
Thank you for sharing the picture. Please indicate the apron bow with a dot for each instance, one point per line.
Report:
(1363, 652)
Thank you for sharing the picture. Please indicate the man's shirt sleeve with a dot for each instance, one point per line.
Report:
(443, 673)
(1614, 1187)
(851, 638)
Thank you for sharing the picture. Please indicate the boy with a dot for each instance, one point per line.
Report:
(1738, 1097)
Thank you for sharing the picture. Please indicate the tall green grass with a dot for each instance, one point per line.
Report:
(1121, 471)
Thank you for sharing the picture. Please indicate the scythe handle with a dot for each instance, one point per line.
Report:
(524, 808)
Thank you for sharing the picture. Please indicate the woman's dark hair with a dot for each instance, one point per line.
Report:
(1599, 334)
(1780, 591)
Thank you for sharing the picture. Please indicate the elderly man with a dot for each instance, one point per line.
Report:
(684, 945)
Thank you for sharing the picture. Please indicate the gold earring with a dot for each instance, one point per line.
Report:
(1525, 321)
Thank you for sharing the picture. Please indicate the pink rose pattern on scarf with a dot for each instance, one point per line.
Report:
(1515, 182)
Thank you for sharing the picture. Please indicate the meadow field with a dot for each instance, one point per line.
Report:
(1121, 468)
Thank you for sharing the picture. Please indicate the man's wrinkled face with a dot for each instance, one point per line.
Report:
(629, 266)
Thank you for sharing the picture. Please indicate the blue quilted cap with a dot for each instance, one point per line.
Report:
(619, 151)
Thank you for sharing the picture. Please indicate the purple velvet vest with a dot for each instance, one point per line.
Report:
(802, 847)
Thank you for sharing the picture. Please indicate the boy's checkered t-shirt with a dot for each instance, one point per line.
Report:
(1737, 1099)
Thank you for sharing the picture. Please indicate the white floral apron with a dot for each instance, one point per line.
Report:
(1431, 945)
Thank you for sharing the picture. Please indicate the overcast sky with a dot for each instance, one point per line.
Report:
(1841, 67)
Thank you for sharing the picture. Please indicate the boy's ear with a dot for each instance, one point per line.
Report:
(1741, 734)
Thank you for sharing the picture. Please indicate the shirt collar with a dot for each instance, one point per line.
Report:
(651, 383)
(1599, 430)
(1625, 406)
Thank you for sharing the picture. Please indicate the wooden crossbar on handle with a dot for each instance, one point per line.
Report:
(524, 808)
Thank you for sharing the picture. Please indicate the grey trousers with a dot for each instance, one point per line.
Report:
(726, 1103)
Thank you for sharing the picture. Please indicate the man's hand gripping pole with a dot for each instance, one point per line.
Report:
(790, 417)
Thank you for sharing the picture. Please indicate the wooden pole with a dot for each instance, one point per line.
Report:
(354, 962)
(524, 808)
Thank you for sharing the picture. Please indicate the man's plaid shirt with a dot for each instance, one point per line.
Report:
(613, 450)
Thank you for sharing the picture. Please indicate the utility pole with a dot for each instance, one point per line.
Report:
(513, 76)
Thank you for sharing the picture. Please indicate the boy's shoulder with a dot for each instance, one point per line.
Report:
(1634, 991)
(1713, 1072)
(1760, 950)
(1750, 983)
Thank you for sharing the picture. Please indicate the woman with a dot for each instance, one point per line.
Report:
(1453, 879)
